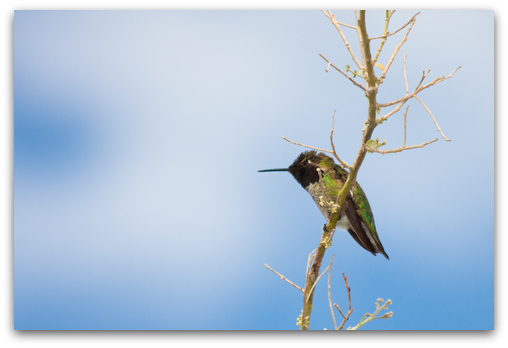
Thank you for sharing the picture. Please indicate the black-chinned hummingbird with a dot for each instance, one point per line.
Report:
(356, 216)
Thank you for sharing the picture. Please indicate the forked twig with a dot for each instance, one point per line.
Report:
(396, 31)
(372, 316)
(337, 26)
(399, 149)
(395, 51)
(381, 119)
(350, 310)
(314, 285)
(343, 24)
(385, 32)
(418, 89)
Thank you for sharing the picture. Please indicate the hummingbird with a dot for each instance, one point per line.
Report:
(323, 179)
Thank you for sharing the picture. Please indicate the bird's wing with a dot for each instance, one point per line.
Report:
(356, 230)
(364, 212)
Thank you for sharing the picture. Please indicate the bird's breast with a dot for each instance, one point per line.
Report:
(316, 192)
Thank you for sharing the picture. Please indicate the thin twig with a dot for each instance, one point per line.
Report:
(430, 113)
(395, 51)
(418, 89)
(384, 117)
(400, 149)
(314, 285)
(343, 24)
(348, 289)
(283, 278)
(337, 306)
(405, 115)
(343, 73)
(337, 26)
(396, 31)
(405, 76)
(350, 310)
(344, 164)
(363, 43)
(407, 96)
(424, 75)
(330, 294)
(372, 316)
(310, 147)
(385, 31)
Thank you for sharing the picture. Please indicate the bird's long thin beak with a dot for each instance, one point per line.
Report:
(274, 170)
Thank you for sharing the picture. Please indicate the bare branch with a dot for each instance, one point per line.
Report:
(370, 317)
(418, 89)
(314, 285)
(343, 24)
(395, 32)
(362, 40)
(405, 76)
(310, 147)
(436, 81)
(385, 31)
(284, 278)
(346, 318)
(348, 290)
(424, 75)
(371, 89)
(337, 306)
(344, 164)
(330, 294)
(384, 117)
(395, 51)
(350, 79)
(430, 113)
(405, 115)
(336, 24)
(400, 149)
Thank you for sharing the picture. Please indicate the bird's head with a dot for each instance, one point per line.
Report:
(304, 168)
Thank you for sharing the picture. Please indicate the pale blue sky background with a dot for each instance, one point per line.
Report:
(138, 135)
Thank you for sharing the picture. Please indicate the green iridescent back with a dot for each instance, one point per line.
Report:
(360, 199)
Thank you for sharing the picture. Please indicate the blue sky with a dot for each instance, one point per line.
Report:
(137, 140)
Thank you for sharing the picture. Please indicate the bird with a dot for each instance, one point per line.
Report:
(323, 179)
